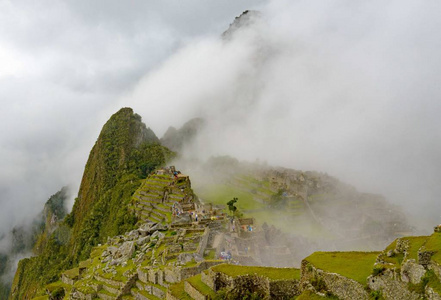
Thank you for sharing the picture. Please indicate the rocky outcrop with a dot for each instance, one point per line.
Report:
(391, 286)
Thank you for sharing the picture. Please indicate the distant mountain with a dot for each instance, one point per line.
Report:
(29, 239)
(176, 139)
(247, 18)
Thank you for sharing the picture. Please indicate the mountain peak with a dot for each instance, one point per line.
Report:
(246, 19)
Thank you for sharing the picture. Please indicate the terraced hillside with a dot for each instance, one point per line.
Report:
(153, 201)
(177, 238)
(175, 255)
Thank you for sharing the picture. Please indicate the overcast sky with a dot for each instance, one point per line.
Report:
(349, 88)
(63, 67)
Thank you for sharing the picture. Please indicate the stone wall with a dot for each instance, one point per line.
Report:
(240, 286)
(342, 287)
(284, 289)
(391, 286)
(65, 279)
(193, 292)
(169, 296)
(204, 241)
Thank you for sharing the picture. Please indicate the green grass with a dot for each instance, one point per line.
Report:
(396, 259)
(269, 272)
(120, 270)
(178, 291)
(211, 254)
(433, 281)
(196, 282)
(354, 265)
(190, 264)
(103, 291)
(147, 295)
(415, 244)
(54, 285)
(72, 273)
(434, 244)
(221, 194)
(308, 295)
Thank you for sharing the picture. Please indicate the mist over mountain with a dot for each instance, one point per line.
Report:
(265, 108)
(344, 89)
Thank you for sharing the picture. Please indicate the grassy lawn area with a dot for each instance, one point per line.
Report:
(270, 273)
(434, 244)
(433, 281)
(211, 255)
(221, 194)
(355, 265)
(196, 282)
(72, 273)
(178, 291)
(415, 244)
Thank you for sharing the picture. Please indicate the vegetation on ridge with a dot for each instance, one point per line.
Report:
(124, 153)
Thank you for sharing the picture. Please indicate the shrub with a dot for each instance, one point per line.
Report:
(378, 271)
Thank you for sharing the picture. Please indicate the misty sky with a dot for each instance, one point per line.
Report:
(349, 88)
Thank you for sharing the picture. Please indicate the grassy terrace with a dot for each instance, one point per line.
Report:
(178, 291)
(415, 244)
(270, 273)
(221, 194)
(196, 282)
(434, 244)
(433, 281)
(354, 265)
(145, 294)
(396, 259)
(72, 273)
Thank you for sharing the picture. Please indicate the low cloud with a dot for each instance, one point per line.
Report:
(64, 68)
(345, 88)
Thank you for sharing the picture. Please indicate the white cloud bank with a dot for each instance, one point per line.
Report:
(349, 88)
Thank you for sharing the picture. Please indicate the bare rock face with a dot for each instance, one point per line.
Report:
(412, 272)
(126, 251)
(246, 19)
(142, 240)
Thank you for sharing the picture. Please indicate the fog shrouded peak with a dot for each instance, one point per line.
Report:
(64, 66)
(345, 88)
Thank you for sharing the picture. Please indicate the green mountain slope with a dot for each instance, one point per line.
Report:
(124, 153)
